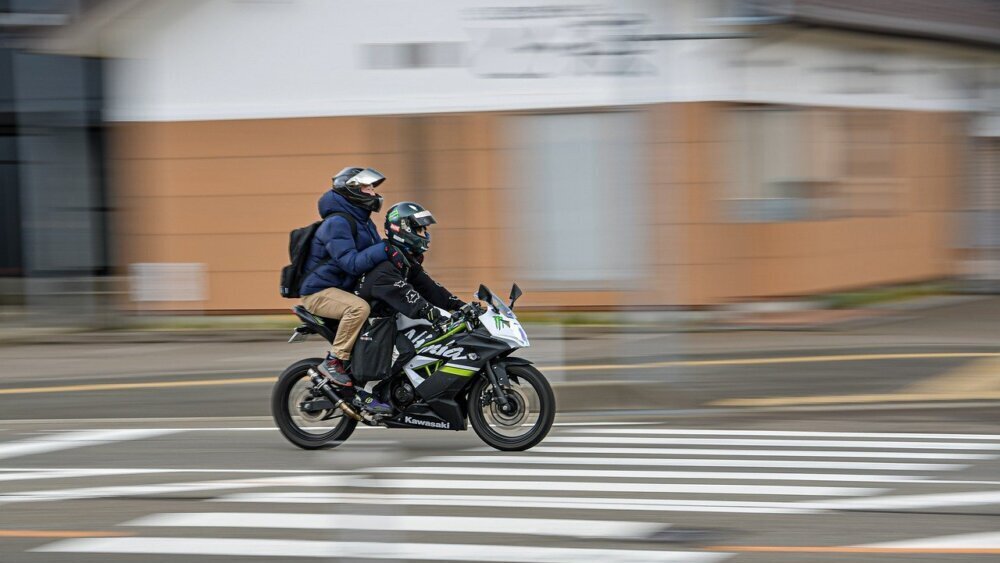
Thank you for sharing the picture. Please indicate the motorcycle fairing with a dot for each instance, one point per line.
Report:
(437, 414)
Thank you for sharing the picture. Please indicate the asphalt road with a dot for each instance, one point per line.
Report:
(880, 444)
(870, 485)
(670, 384)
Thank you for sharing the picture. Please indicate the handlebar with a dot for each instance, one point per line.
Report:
(469, 312)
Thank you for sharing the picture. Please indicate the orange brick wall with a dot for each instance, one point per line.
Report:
(226, 193)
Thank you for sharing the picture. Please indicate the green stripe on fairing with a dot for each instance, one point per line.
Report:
(458, 371)
(443, 336)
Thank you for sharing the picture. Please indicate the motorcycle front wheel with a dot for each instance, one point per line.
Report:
(523, 426)
(307, 429)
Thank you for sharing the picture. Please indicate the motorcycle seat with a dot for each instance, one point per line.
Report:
(315, 324)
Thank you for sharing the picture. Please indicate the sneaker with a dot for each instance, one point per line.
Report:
(367, 401)
(333, 368)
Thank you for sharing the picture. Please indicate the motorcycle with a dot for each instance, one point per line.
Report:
(438, 381)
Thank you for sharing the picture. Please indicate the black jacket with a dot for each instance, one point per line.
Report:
(409, 291)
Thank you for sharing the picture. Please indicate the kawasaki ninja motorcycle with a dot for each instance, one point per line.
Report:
(438, 381)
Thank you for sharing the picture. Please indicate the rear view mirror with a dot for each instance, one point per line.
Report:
(515, 292)
(484, 293)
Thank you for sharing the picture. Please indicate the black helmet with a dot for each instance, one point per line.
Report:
(401, 223)
(349, 181)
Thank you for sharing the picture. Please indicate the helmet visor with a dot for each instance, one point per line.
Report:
(367, 177)
(423, 218)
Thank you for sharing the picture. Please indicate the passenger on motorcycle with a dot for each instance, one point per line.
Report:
(338, 257)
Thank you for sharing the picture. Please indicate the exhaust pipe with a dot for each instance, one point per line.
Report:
(323, 385)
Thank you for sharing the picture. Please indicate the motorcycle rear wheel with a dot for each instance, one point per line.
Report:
(535, 407)
(307, 430)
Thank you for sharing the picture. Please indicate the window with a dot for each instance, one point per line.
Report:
(577, 185)
(792, 164)
(868, 144)
(771, 176)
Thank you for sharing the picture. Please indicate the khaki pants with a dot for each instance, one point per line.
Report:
(339, 304)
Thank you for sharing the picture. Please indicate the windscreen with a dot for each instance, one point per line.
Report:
(500, 306)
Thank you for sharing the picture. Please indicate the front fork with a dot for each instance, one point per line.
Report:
(500, 383)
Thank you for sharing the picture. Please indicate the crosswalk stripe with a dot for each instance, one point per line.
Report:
(903, 502)
(31, 475)
(165, 488)
(597, 423)
(465, 524)
(788, 433)
(690, 462)
(372, 550)
(570, 503)
(746, 453)
(984, 540)
(768, 442)
(617, 486)
(625, 474)
(75, 439)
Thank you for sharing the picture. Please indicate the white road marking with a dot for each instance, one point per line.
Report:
(572, 503)
(126, 470)
(985, 540)
(903, 502)
(466, 524)
(76, 439)
(30, 473)
(690, 462)
(778, 443)
(167, 488)
(373, 550)
(603, 423)
(713, 432)
(605, 486)
(625, 474)
(756, 453)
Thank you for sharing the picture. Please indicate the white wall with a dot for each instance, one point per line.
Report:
(225, 59)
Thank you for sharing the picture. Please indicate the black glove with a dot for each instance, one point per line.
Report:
(396, 257)
(470, 311)
(438, 321)
(455, 304)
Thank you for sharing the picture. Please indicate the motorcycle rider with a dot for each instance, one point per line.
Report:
(401, 283)
(337, 258)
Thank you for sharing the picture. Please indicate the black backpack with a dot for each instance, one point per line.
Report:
(299, 244)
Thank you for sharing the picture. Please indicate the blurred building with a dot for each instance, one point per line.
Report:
(638, 154)
(55, 247)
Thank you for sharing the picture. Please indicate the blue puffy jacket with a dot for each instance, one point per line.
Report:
(348, 258)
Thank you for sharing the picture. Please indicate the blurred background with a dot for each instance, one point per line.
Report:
(625, 156)
(729, 218)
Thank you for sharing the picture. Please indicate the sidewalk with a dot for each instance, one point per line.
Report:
(271, 328)
(590, 367)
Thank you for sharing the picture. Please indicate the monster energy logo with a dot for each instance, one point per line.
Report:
(394, 215)
(501, 322)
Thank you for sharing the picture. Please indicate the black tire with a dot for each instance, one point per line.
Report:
(281, 410)
(520, 375)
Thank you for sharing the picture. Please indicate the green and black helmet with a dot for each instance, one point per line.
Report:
(406, 227)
